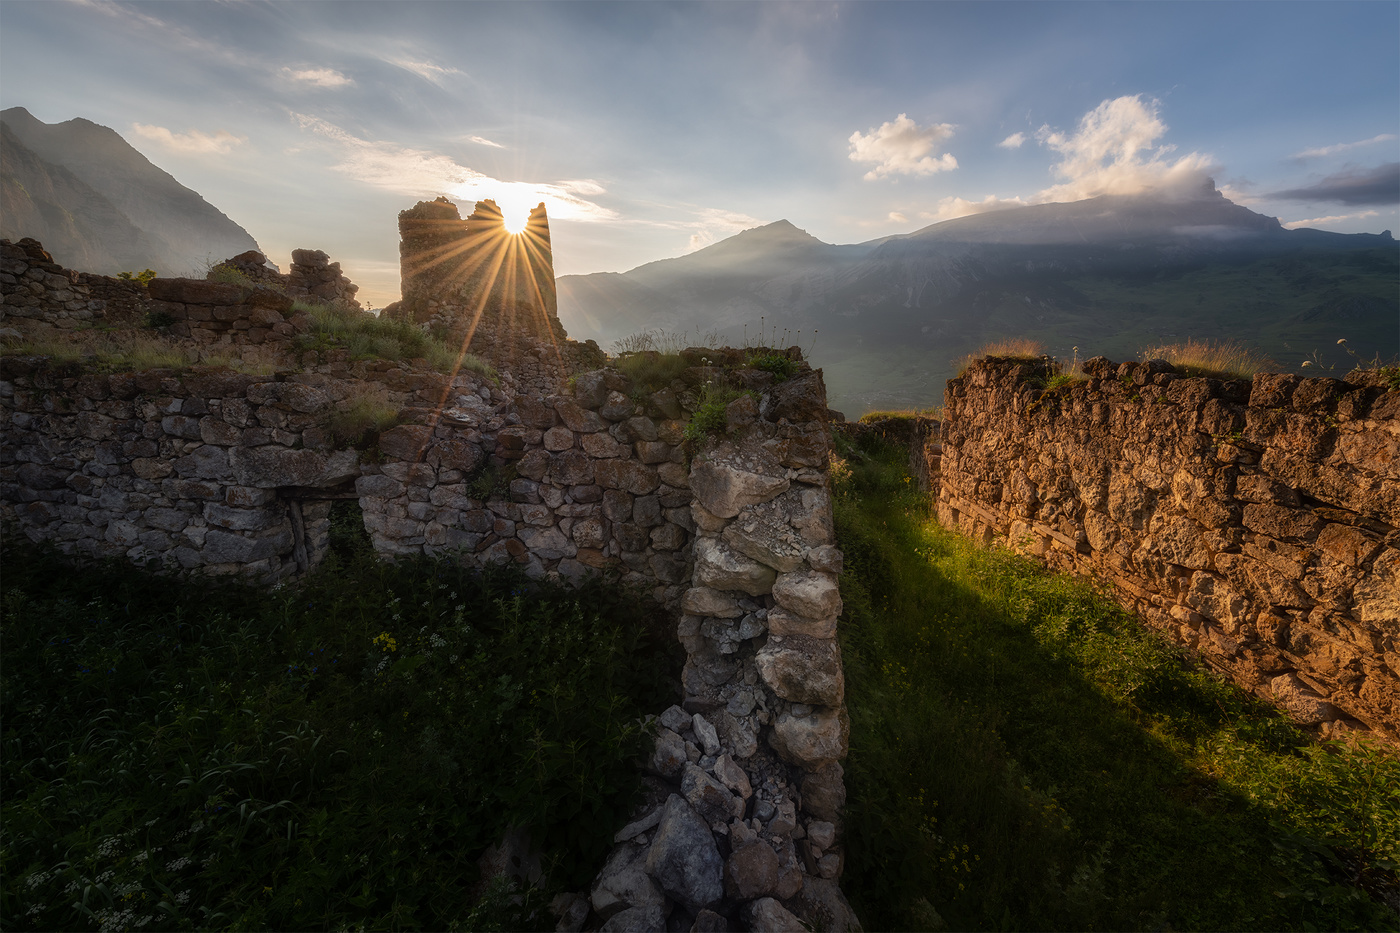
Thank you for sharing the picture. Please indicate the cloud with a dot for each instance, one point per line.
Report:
(1013, 141)
(1324, 151)
(428, 71)
(586, 186)
(319, 77)
(1333, 219)
(715, 224)
(950, 208)
(1114, 151)
(902, 147)
(898, 218)
(1379, 185)
(483, 141)
(195, 141)
(421, 173)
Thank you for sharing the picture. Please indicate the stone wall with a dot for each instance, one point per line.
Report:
(1255, 524)
(313, 277)
(742, 828)
(470, 277)
(35, 288)
(235, 473)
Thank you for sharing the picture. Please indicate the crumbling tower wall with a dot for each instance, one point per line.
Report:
(473, 277)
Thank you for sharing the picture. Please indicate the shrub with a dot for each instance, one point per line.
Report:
(361, 418)
(144, 276)
(1222, 360)
(226, 274)
(780, 366)
(709, 419)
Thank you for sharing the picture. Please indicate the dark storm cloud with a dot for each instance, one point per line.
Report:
(1379, 185)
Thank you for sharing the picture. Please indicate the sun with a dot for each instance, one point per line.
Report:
(514, 219)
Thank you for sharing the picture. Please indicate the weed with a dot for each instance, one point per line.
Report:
(360, 419)
(709, 419)
(226, 274)
(780, 366)
(144, 276)
(667, 343)
(1224, 360)
(490, 482)
(1389, 372)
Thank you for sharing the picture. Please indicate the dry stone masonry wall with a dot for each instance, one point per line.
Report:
(1255, 523)
(35, 288)
(559, 465)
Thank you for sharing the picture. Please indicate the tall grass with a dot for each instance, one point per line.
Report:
(1218, 360)
(334, 754)
(1026, 755)
(367, 336)
(362, 417)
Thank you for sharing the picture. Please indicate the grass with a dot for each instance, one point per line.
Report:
(903, 414)
(226, 274)
(360, 419)
(665, 342)
(367, 336)
(709, 420)
(651, 370)
(1216, 359)
(192, 754)
(1014, 348)
(123, 351)
(1026, 755)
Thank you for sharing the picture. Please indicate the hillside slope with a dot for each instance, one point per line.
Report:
(182, 227)
(1108, 275)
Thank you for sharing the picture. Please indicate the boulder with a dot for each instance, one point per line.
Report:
(683, 859)
(727, 480)
(720, 568)
(624, 883)
(803, 669)
(711, 799)
(819, 737)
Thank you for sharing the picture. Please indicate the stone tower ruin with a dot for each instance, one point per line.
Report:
(474, 279)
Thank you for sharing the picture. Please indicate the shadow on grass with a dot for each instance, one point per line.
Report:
(1025, 755)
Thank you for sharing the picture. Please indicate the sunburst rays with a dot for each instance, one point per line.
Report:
(510, 274)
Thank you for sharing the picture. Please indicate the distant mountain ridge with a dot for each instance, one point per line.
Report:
(1104, 274)
(98, 204)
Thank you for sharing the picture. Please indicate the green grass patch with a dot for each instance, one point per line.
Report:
(1027, 755)
(780, 366)
(651, 370)
(367, 336)
(709, 420)
(336, 754)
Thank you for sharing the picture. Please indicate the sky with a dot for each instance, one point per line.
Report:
(653, 129)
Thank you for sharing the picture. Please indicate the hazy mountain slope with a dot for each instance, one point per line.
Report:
(186, 228)
(78, 226)
(1107, 275)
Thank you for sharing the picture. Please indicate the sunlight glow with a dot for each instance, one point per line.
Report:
(514, 218)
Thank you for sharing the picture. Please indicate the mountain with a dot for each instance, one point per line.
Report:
(89, 197)
(887, 319)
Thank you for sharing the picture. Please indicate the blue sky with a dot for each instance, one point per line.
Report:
(652, 129)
